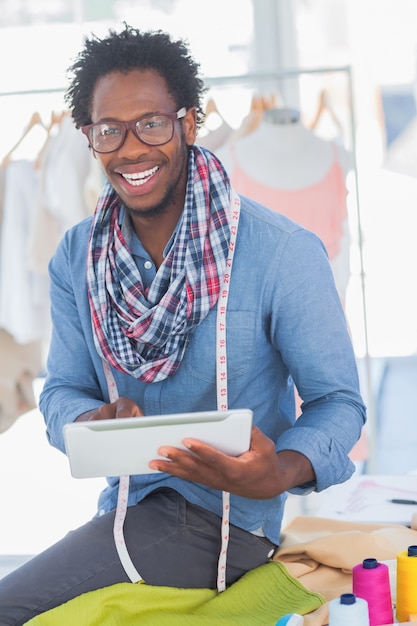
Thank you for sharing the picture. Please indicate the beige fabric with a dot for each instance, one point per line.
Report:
(319, 617)
(321, 554)
(19, 365)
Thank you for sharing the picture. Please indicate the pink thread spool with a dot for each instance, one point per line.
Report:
(371, 582)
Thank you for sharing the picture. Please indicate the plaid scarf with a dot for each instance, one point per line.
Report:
(144, 333)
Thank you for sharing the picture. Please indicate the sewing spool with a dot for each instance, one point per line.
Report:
(370, 581)
(348, 610)
(406, 584)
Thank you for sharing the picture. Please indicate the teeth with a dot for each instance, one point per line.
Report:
(139, 178)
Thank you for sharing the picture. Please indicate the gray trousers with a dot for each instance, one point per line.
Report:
(171, 542)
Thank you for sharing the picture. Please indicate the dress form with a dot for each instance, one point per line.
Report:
(287, 167)
(284, 154)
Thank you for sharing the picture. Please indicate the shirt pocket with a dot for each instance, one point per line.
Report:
(241, 328)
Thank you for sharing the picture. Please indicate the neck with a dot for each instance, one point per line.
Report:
(154, 232)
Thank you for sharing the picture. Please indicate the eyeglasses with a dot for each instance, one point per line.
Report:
(154, 130)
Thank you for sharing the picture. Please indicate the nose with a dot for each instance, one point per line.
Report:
(132, 145)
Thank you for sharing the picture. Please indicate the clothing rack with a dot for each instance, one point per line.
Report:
(258, 79)
(33, 92)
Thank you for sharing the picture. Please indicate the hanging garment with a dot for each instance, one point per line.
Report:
(67, 163)
(24, 295)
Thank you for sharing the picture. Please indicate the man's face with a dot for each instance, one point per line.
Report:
(148, 179)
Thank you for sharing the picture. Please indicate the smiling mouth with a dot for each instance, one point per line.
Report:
(140, 178)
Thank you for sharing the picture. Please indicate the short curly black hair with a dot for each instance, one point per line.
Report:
(128, 50)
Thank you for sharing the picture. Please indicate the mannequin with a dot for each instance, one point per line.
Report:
(287, 167)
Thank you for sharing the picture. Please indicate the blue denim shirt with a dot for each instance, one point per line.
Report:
(285, 323)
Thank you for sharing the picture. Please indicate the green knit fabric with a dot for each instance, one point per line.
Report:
(260, 597)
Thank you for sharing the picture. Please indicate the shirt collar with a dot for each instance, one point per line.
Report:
(133, 241)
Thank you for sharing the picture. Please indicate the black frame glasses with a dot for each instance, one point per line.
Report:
(154, 130)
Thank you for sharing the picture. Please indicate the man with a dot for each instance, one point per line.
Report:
(137, 288)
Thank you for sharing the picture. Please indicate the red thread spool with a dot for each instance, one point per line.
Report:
(371, 582)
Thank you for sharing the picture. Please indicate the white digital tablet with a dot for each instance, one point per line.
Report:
(116, 447)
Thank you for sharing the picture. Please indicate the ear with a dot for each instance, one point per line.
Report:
(190, 126)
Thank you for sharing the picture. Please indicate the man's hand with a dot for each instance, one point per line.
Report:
(123, 407)
(259, 473)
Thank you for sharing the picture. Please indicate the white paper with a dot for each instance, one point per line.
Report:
(366, 498)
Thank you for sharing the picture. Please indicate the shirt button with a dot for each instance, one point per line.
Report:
(147, 265)
(101, 512)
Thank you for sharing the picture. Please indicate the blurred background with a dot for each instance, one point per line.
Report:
(347, 68)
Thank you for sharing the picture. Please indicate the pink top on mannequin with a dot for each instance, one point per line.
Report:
(320, 207)
(287, 167)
